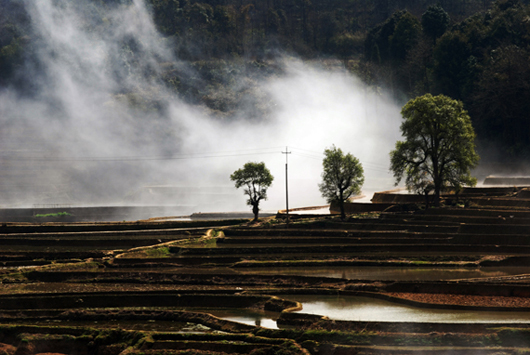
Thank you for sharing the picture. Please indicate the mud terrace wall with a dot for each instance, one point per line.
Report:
(143, 299)
(358, 207)
(507, 180)
(80, 214)
(391, 199)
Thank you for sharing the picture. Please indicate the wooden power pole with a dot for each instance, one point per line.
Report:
(287, 152)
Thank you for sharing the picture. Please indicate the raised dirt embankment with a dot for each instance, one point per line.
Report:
(80, 214)
(133, 288)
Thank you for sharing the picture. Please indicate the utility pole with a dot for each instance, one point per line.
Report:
(287, 152)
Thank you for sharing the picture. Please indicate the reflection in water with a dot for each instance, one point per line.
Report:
(390, 273)
(247, 316)
(349, 308)
(355, 308)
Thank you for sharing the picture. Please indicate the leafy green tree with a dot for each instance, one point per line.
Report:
(256, 179)
(439, 146)
(224, 20)
(451, 58)
(347, 44)
(393, 38)
(405, 36)
(435, 21)
(342, 178)
(328, 28)
(414, 74)
(377, 42)
(501, 102)
(166, 14)
(273, 22)
(10, 59)
(200, 15)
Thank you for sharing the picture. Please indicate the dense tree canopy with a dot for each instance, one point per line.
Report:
(435, 21)
(468, 50)
(439, 148)
(342, 178)
(256, 179)
(474, 60)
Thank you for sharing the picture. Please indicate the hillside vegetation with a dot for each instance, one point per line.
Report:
(475, 51)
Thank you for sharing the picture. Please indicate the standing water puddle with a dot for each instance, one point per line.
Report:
(354, 308)
(390, 273)
(366, 309)
(247, 316)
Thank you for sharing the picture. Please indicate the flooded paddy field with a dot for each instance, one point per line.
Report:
(382, 273)
(386, 282)
(391, 273)
(368, 309)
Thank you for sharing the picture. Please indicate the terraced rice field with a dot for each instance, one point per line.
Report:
(231, 287)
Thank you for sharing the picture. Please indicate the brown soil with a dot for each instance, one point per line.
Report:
(464, 300)
(207, 284)
(58, 287)
(7, 349)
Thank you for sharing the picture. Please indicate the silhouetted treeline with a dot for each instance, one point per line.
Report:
(482, 60)
(221, 28)
(476, 51)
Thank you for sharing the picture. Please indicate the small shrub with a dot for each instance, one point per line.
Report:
(58, 214)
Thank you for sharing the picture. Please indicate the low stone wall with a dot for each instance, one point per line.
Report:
(499, 202)
(318, 322)
(80, 214)
(509, 261)
(153, 227)
(479, 197)
(490, 191)
(392, 199)
(359, 207)
(461, 288)
(507, 233)
(228, 215)
(507, 180)
(143, 299)
(477, 212)
(146, 315)
(272, 252)
(48, 255)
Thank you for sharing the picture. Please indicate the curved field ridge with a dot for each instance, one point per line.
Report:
(206, 287)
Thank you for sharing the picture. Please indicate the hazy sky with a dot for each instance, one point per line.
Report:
(80, 110)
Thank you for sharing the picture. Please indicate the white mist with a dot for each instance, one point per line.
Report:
(90, 139)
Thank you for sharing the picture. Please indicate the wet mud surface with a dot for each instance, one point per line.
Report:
(466, 300)
(233, 288)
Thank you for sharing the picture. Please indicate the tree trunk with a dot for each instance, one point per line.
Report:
(255, 210)
(437, 190)
(437, 176)
(342, 213)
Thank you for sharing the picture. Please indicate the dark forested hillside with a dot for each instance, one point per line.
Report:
(476, 51)
(223, 28)
(481, 60)
(220, 28)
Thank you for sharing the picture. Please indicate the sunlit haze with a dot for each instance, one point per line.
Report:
(86, 142)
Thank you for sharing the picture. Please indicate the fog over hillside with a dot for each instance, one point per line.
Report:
(96, 124)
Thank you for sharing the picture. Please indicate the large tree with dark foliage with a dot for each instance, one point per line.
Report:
(435, 21)
(501, 103)
(439, 146)
(256, 179)
(342, 178)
